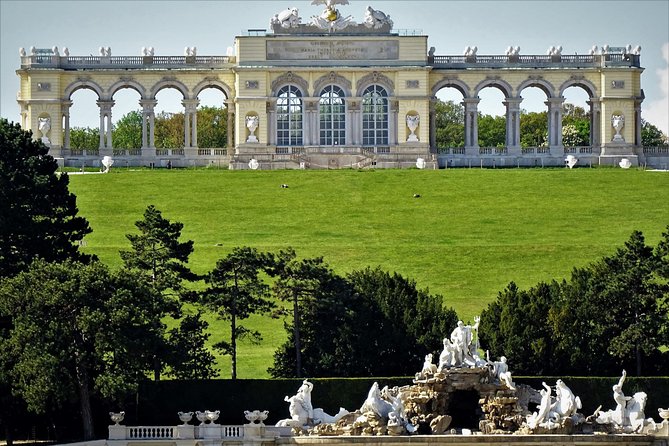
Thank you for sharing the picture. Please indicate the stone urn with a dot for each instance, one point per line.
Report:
(256, 416)
(117, 417)
(618, 122)
(185, 417)
(412, 124)
(252, 125)
(664, 414)
(212, 416)
(201, 417)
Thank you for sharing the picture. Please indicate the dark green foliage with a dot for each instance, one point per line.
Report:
(533, 129)
(651, 136)
(127, 132)
(610, 315)
(78, 329)
(157, 252)
(190, 358)
(492, 131)
(450, 124)
(350, 324)
(212, 127)
(516, 326)
(38, 214)
(235, 292)
(82, 138)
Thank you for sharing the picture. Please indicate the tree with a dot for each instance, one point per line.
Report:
(533, 129)
(212, 127)
(450, 123)
(82, 138)
(236, 291)
(158, 253)
(492, 131)
(516, 325)
(38, 214)
(159, 257)
(127, 132)
(169, 131)
(190, 358)
(78, 330)
(298, 282)
(613, 313)
(350, 323)
(651, 136)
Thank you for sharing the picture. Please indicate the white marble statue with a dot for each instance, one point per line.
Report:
(470, 51)
(288, 18)
(500, 371)
(412, 122)
(554, 51)
(447, 356)
(22, 52)
(44, 126)
(190, 51)
(252, 125)
(512, 51)
(628, 415)
(330, 19)
(462, 337)
(570, 161)
(566, 403)
(107, 162)
(105, 52)
(376, 19)
(66, 51)
(375, 403)
(147, 51)
(55, 51)
(618, 122)
(300, 409)
(540, 418)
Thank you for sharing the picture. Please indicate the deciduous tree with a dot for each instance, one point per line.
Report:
(127, 132)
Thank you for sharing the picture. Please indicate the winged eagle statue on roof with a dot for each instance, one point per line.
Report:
(330, 18)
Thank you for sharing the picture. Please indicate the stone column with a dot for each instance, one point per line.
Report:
(190, 126)
(513, 124)
(433, 125)
(393, 127)
(148, 121)
(353, 134)
(65, 110)
(271, 121)
(471, 125)
(230, 132)
(311, 126)
(105, 127)
(595, 122)
(555, 123)
(637, 124)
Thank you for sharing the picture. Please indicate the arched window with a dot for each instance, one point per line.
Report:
(332, 116)
(375, 116)
(289, 116)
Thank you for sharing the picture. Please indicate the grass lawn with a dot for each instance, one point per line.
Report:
(470, 233)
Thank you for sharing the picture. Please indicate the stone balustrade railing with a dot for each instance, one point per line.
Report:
(536, 61)
(209, 431)
(79, 62)
(457, 61)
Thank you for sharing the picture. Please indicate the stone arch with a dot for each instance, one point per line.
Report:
(575, 81)
(212, 83)
(496, 82)
(454, 83)
(542, 84)
(332, 78)
(83, 83)
(167, 83)
(127, 83)
(375, 78)
(290, 78)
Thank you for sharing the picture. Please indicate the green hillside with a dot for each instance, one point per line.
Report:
(469, 233)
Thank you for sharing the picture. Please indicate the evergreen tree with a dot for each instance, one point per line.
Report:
(190, 357)
(38, 214)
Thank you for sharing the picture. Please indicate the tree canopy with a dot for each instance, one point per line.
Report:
(38, 214)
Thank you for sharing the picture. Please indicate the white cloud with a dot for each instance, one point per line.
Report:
(657, 111)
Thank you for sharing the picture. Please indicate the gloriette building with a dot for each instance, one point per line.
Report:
(328, 92)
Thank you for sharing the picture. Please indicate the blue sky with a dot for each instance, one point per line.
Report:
(169, 26)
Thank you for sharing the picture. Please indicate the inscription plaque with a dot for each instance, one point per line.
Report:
(333, 50)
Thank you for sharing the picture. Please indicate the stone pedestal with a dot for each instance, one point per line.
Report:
(116, 432)
(613, 152)
(185, 432)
